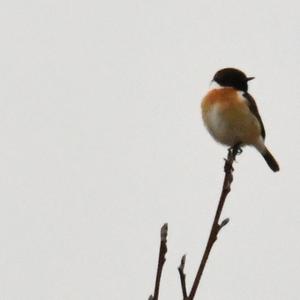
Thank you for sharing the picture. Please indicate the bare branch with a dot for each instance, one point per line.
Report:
(161, 260)
(182, 277)
(216, 227)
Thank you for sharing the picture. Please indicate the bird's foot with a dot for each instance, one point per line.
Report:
(236, 149)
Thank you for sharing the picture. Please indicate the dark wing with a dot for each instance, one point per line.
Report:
(253, 108)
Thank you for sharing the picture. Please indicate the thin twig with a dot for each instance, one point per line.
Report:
(182, 277)
(161, 260)
(216, 226)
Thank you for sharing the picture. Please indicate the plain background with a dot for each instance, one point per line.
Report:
(102, 142)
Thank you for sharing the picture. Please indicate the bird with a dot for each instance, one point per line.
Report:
(231, 116)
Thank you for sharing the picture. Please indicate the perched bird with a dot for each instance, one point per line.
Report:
(231, 116)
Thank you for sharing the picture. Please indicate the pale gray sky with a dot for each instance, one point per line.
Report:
(102, 142)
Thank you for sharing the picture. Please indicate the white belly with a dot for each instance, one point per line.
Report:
(232, 125)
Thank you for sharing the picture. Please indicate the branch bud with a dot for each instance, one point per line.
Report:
(164, 232)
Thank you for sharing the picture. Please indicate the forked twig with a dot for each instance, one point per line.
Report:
(215, 229)
(216, 226)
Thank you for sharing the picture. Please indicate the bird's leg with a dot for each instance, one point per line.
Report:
(232, 153)
(236, 149)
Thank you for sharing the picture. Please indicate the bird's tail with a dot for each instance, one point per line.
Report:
(270, 160)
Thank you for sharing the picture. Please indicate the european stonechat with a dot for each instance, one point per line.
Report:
(231, 116)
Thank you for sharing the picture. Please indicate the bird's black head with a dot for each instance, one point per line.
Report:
(230, 77)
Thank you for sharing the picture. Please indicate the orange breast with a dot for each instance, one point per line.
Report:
(225, 97)
(228, 117)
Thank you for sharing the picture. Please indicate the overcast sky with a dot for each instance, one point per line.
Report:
(102, 142)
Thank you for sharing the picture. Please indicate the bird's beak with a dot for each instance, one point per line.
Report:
(250, 78)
